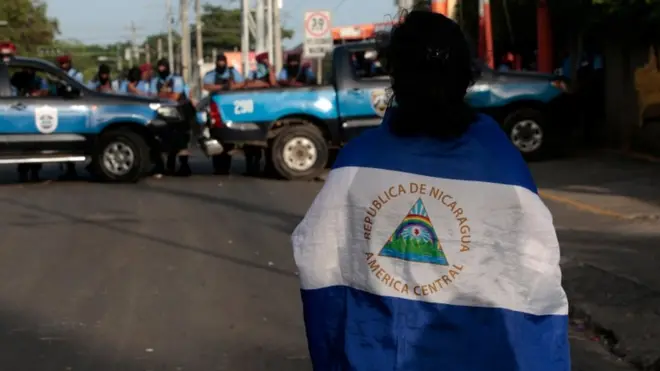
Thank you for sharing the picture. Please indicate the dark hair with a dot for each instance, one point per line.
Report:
(134, 74)
(104, 69)
(431, 66)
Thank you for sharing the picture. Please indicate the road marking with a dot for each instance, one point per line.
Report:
(582, 205)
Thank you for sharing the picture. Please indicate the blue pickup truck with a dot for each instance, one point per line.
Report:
(117, 134)
(298, 126)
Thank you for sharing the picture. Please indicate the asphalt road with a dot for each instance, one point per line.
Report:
(171, 274)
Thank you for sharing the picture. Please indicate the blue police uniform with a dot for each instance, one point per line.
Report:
(309, 75)
(178, 86)
(142, 86)
(94, 84)
(260, 73)
(76, 75)
(211, 78)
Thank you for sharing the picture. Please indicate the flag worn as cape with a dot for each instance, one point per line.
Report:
(421, 254)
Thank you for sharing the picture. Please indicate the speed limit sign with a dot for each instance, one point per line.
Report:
(318, 34)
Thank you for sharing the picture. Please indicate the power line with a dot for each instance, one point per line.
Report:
(341, 2)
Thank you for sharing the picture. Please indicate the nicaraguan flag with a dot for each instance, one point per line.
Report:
(420, 254)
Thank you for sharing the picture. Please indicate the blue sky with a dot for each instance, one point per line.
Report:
(97, 21)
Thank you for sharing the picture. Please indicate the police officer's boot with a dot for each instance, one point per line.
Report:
(23, 172)
(34, 173)
(69, 172)
(184, 167)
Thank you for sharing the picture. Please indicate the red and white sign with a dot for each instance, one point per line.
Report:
(317, 24)
(318, 34)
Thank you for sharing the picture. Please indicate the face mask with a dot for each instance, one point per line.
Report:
(292, 69)
(164, 73)
(220, 68)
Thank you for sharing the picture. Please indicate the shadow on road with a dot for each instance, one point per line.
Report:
(148, 237)
(289, 220)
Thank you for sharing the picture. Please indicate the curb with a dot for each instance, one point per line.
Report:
(580, 317)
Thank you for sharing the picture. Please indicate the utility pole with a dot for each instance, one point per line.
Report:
(185, 40)
(277, 35)
(134, 44)
(159, 48)
(245, 36)
(269, 27)
(170, 40)
(261, 27)
(198, 31)
(147, 53)
(120, 59)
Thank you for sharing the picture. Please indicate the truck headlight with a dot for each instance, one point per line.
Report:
(169, 112)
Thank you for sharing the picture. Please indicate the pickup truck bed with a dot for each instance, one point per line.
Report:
(524, 103)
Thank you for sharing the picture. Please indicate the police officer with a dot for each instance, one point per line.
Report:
(66, 64)
(223, 77)
(27, 83)
(102, 81)
(129, 86)
(293, 74)
(169, 86)
(263, 76)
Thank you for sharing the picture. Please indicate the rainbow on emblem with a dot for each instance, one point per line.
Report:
(415, 239)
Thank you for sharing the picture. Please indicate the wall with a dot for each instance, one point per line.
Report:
(632, 84)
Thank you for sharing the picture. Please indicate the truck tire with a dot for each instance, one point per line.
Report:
(121, 156)
(528, 130)
(299, 152)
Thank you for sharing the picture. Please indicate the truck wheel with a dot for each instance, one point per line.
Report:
(299, 152)
(122, 156)
(527, 128)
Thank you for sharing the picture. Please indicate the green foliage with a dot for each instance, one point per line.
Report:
(34, 35)
(28, 24)
(222, 29)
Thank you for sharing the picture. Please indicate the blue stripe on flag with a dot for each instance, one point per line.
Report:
(349, 329)
(499, 160)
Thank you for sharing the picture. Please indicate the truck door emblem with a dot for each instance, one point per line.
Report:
(243, 107)
(46, 119)
(379, 101)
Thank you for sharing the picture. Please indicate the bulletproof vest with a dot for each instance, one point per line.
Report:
(302, 76)
(224, 81)
(265, 78)
(167, 83)
(170, 85)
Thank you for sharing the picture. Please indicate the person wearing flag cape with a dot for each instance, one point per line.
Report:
(429, 247)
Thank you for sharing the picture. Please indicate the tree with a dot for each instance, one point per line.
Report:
(28, 25)
(222, 29)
